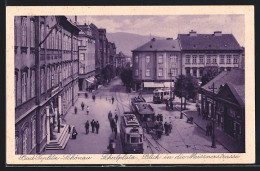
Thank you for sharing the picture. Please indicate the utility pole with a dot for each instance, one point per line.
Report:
(181, 98)
(213, 117)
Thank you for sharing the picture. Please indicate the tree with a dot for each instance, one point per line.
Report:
(209, 73)
(187, 87)
(126, 77)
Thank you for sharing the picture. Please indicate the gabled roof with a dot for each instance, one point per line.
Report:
(235, 79)
(208, 42)
(160, 45)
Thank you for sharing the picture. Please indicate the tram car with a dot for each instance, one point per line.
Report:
(135, 100)
(131, 134)
(146, 115)
(161, 95)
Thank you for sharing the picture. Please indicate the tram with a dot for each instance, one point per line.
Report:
(160, 95)
(131, 134)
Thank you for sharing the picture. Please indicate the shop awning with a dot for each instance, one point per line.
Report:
(91, 79)
(157, 84)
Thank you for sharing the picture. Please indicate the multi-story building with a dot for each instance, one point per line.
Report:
(206, 50)
(120, 60)
(46, 77)
(86, 58)
(229, 97)
(157, 63)
(95, 34)
(103, 47)
(111, 52)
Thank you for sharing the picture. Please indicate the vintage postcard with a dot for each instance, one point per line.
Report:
(130, 85)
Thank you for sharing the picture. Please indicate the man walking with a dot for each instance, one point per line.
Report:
(87, 127)
(166, 128)
(170, 127)
(92, 125)
(113, 99)
(97, 126)
(87, 110)
(82, 106)
(210, 129)
(116, 117)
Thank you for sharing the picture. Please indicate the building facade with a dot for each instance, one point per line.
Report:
(209, 50)
(103, 47)
(87, 62)
(95, 34)
(46, 77)
(156, 63)
(120, 60)
(229, 97)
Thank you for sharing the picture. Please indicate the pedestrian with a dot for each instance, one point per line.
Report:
(210, 129)
(82, 106)
(75, 110)
(111, 147)
(74, 134)
(115, 130)
(113, 99)
(87, 127)
(92, 125)
(167, 105)
(97, 126)
(112, 124)
(171, 105)
(198, 111)
(69, 128)
(94, 98)
(116, 118)
(86, 95)
(166, 128)
(207, 129)
(87, 110)
(170, 127)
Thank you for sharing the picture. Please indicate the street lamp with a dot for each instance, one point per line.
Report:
(181, 98)
(213, 117)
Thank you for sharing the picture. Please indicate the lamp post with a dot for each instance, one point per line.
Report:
(213, 117)
(181, 98)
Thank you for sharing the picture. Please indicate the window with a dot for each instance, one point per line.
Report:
(160, 72)
(32, 83)
(194, 70)
(136, 59)
(24, 86)
(228, 59)
(134, 140)
(160, 59)
(42, 80)
(33, 132)
(148, 59)
(136, 72)
(43, 126)
(173, 71)
(15, 31)
(56, 39)
(48, 78)
(24, 32)
(201, 72)
(173, 59)
(32, 34)
(52, 77)
(208, 59)
(148, 73)
(16, 144)
(194, 59)
(25, 140)
(82, 57)
(201, 59)
(81, 70)
(42, 33)
(187, 59)
(222, 59)
(187, 71)
(214, 59)
(15, 87)
(48, 38)
(235, 59)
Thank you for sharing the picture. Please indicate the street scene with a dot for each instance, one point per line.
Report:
(85, 86)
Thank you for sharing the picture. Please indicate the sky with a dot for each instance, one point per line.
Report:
(169, 25)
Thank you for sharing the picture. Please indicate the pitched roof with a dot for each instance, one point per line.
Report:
(208, 42)
(160, 45)
(235, 79)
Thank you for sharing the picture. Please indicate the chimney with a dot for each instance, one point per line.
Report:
(217, 33)
(193, 33)
(76, 19)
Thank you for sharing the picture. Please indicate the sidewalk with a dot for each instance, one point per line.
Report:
(224, 139)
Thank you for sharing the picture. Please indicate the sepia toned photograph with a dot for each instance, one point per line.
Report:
(122, 87)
